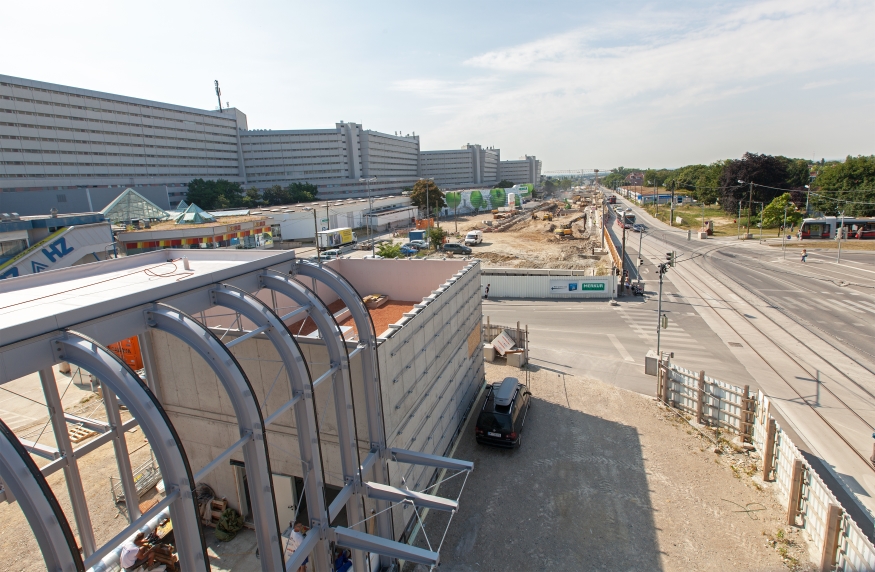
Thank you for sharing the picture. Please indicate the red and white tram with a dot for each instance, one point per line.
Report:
(825, 227)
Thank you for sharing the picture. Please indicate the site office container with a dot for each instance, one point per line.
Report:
(129, 352)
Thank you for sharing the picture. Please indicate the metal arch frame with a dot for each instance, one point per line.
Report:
(367, 346)
(23, 480)
(86, 353)
(301, 391)
(339, 361)
(249, 420)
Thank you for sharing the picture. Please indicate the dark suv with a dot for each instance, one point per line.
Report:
(503, 414)
(455, 248)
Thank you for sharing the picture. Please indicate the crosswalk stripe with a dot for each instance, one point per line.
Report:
(862, 307)
(864, 303)
(838, 304)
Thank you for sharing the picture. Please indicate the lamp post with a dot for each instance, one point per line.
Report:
(762, 208)
(807, 198)
(784, 233)
(841, 235)
(367, 183)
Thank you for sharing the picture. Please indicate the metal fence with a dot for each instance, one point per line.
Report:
(520, 335)
(810, 504)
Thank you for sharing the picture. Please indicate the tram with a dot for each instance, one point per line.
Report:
(825, 227)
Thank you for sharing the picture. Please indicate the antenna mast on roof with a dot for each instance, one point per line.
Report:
(218, 94)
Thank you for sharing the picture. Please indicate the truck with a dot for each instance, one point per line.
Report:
(474, 237)
(339, 238)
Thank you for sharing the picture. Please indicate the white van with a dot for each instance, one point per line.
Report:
(474, 237)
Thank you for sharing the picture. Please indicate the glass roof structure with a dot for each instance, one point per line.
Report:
(194, 215)
(130, 206)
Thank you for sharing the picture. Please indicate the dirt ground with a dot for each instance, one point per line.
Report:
(607, 479)
(18, 547)
(532, 244)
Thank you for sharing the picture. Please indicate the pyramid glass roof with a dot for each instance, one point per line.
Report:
(130, 206)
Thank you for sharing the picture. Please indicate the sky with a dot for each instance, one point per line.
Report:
(579, 84)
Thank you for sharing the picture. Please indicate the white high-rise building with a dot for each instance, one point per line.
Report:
(75, 150)
(525, 170)
(472, 165)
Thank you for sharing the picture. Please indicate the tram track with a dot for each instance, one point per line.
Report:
(707, 294)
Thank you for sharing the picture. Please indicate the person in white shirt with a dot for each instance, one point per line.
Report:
(294, 541)
(136, 553)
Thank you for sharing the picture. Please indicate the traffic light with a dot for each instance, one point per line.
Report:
(671, 257)
(663, 322)
(640, 262)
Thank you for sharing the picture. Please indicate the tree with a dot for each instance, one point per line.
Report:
(389, 250)
(423, 189)
(504, 184)
(846, 186)
(436, 236)
(252, 198)
(773, 213)
(276, 195)
(218, 194)
(302, 192)
(768, 173)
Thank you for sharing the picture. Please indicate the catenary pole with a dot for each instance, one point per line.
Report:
(841, 234)
(661, 269)
(784, 233)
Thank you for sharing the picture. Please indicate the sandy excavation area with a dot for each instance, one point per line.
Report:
(533, 243)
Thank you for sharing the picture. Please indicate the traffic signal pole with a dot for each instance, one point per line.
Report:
(661, 269)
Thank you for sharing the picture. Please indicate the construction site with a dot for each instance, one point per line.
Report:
(557, 234)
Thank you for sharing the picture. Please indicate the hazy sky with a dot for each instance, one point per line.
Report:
(578, 84)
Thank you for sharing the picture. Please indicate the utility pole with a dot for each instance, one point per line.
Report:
(738, 233)
(784, 233)
(762, 208)
(316, 238)
(749, 207)
(623, 257)
(640, 257)
(671, 221)
(841, 235)
(604, 214)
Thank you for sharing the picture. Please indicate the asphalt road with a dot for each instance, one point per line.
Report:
(804, 332)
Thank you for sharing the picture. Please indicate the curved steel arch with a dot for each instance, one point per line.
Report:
(367, 346)
(24, 481)
(339, 362)
(86, 353)
(249, 421)
(301, 391)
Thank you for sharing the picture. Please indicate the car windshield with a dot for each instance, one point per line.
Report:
(490, 421)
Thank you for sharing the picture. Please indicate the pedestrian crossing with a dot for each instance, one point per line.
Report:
(853, 306)
(643, 322)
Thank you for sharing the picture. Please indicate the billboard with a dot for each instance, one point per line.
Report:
(566, 285)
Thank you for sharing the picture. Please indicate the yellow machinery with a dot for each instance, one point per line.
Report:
(547, 216)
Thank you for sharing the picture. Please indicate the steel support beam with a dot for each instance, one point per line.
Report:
(417, 458)
(242, 397)
(23, 481)
(385, 546)
(301, 392)
(122, 456)
(394, 494)
(157, 428)
(71, 469)
(343, 403)
(370, 374)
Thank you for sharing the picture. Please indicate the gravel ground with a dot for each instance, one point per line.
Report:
(607, 479)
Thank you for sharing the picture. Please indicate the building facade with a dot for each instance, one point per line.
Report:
(525, 170)
(75, 150)
(472, 165)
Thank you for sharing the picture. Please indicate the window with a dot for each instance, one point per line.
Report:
(62, 198)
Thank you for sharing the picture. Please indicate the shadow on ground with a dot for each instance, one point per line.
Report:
(574, 496)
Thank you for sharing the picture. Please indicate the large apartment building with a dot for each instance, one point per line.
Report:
(75, 150)
(525, 170)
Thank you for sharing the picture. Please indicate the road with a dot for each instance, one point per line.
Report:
(804, 333)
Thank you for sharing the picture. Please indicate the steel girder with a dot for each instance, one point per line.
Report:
(24, 481)
(343, 404)
(371, 376)
(249, 419)
(86, 353)
(301, 392)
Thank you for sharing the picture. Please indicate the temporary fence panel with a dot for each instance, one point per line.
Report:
(728, 406)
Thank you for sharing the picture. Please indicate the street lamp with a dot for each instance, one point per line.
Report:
(807, 197)
(367, 183)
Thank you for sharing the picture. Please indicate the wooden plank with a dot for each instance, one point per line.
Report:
(769, 450)
(831, 532)
(795, 492)
(700, 398)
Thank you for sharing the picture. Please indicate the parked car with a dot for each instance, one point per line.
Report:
(503, 414)
(455, 248)
(327, 255)
(366, 244)
(407, 250)
(414, 245)
(421, 243)
(638, 227)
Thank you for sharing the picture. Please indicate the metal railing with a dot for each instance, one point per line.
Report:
(146, 476)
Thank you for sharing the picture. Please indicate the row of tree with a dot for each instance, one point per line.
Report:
(835, 186)
(223, 194)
